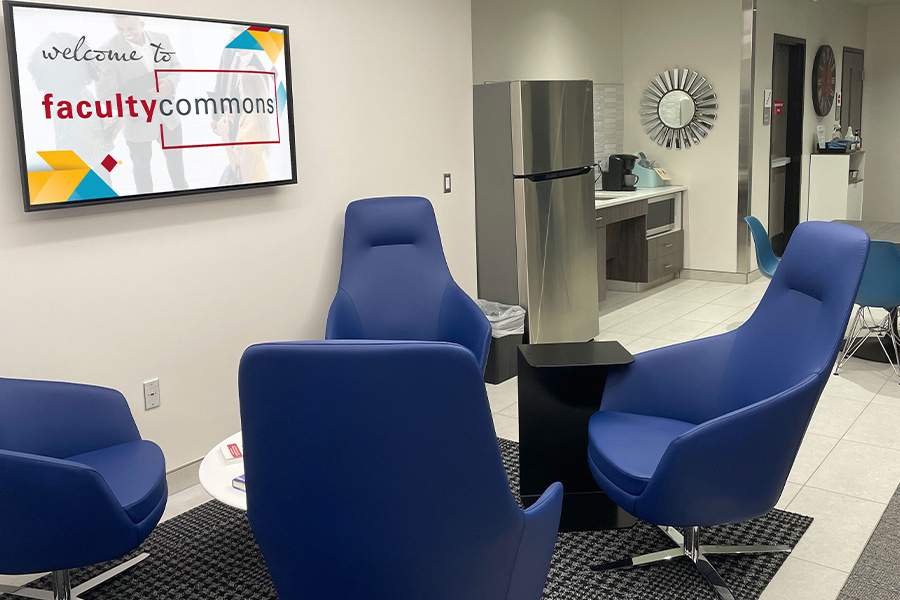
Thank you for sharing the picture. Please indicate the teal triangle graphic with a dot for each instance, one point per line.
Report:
(281, 98)
(244, 41)
(92, 187)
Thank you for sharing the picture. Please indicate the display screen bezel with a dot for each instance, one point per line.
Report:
(9, 23)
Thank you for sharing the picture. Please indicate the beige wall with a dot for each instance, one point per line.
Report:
(881, 127)
(659, 35)
(177, 288)
(837, 23)
(541, 39)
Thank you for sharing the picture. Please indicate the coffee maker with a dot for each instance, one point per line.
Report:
(619, 177)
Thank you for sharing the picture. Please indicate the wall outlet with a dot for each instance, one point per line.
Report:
(446, 183)
(151, 394)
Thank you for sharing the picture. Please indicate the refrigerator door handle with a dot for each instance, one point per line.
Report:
(559, 174)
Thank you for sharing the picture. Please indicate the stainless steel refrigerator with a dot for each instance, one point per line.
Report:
(534, 204)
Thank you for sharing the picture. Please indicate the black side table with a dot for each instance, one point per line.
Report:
(560, 386)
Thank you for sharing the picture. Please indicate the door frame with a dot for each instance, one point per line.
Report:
(794, 148)
(862, 52)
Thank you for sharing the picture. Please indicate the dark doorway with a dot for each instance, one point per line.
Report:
(852, 77)
(786, 138)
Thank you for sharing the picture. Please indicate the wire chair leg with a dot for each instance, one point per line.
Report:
(890, 331)
(850, 344)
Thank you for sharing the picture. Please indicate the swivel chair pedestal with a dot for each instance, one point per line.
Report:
(62, 586)
(689, 546)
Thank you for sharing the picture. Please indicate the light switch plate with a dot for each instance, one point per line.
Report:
(446, 183)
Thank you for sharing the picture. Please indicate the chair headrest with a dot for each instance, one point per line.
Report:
(392, 220)
(825, 261)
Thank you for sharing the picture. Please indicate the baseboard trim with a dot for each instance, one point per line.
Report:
(632, 286)
(183, 477)
(721, 276)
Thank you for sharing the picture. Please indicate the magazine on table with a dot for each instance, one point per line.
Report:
(232, 452)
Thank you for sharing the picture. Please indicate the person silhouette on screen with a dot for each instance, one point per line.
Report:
(226, 124)
(232, 60)
(250, 158)
(137, 78)
(89, 139)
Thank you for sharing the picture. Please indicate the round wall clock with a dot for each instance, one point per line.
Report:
(824, 81)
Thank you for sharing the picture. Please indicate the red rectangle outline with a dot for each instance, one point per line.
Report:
(162, 139)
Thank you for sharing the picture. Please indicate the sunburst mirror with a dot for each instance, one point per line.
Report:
(678, 108)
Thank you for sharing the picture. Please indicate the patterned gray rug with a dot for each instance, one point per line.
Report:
(876, 575)
(208, 553)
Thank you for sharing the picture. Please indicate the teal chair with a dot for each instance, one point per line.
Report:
(880, 288)
(765, 256)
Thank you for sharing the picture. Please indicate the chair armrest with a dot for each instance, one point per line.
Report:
(676, 382)
(536, 548)
(56, 514)
(462, 321)
(58, 419)
(734, 467)
(343, 321)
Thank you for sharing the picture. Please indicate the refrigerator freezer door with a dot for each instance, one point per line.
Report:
(557, 258)
(552, 126)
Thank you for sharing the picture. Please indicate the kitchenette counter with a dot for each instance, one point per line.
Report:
(604, 199)
(640, 238)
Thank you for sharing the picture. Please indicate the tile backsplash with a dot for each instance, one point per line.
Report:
(609, 120)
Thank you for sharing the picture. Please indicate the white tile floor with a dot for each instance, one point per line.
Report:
(847, 468)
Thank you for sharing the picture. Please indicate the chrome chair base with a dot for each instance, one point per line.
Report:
(689, 546)
(62, 589)
(881, 330)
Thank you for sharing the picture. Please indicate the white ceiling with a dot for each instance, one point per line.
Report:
(875, 2)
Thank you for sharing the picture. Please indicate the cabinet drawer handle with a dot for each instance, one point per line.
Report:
(599, 218)
(669, 245)
(668, 267)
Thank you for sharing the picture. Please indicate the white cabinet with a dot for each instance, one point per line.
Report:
(836, 186)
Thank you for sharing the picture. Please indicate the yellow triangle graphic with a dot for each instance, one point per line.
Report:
(63, 160)
(59, 186)
(272, 43)
(36, 182)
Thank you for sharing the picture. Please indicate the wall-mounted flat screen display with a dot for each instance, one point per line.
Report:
(113, 106)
